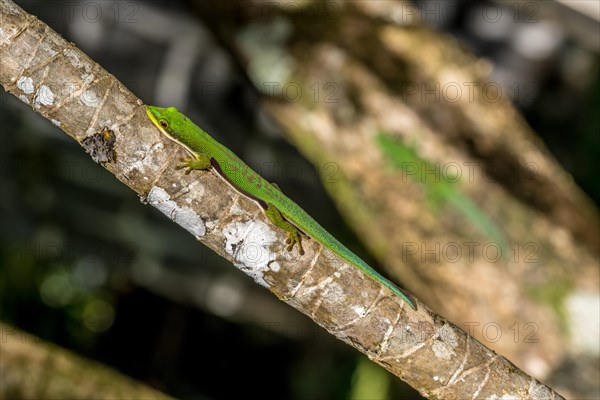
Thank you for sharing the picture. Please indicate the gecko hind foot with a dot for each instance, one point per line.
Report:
(293, 234)
(294, 238)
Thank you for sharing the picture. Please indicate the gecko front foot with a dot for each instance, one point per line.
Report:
(192, 164)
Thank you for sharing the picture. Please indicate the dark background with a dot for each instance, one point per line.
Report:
(85, 265)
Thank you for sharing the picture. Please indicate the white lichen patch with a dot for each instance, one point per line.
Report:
(275, 267)
(90, 98)
(24, 98)
(249, 244)
(43, 97)
(55, 122)
(182, 216)
(25, 83)
(445, 343)
(359, 310)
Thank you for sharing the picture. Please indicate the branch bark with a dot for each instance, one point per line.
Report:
(65, 86)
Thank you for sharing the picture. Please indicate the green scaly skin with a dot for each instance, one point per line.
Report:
(207, 153)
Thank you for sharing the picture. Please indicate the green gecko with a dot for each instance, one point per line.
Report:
(206, 153)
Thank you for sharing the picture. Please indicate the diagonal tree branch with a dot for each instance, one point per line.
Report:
(65, 86)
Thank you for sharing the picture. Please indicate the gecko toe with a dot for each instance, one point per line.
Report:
(300, 248)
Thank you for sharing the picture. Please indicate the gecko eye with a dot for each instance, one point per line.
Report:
(163, 123)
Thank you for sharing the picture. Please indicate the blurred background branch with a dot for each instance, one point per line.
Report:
(462, 172)
(31, 368)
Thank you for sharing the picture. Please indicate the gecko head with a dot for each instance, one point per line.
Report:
(164, 119)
